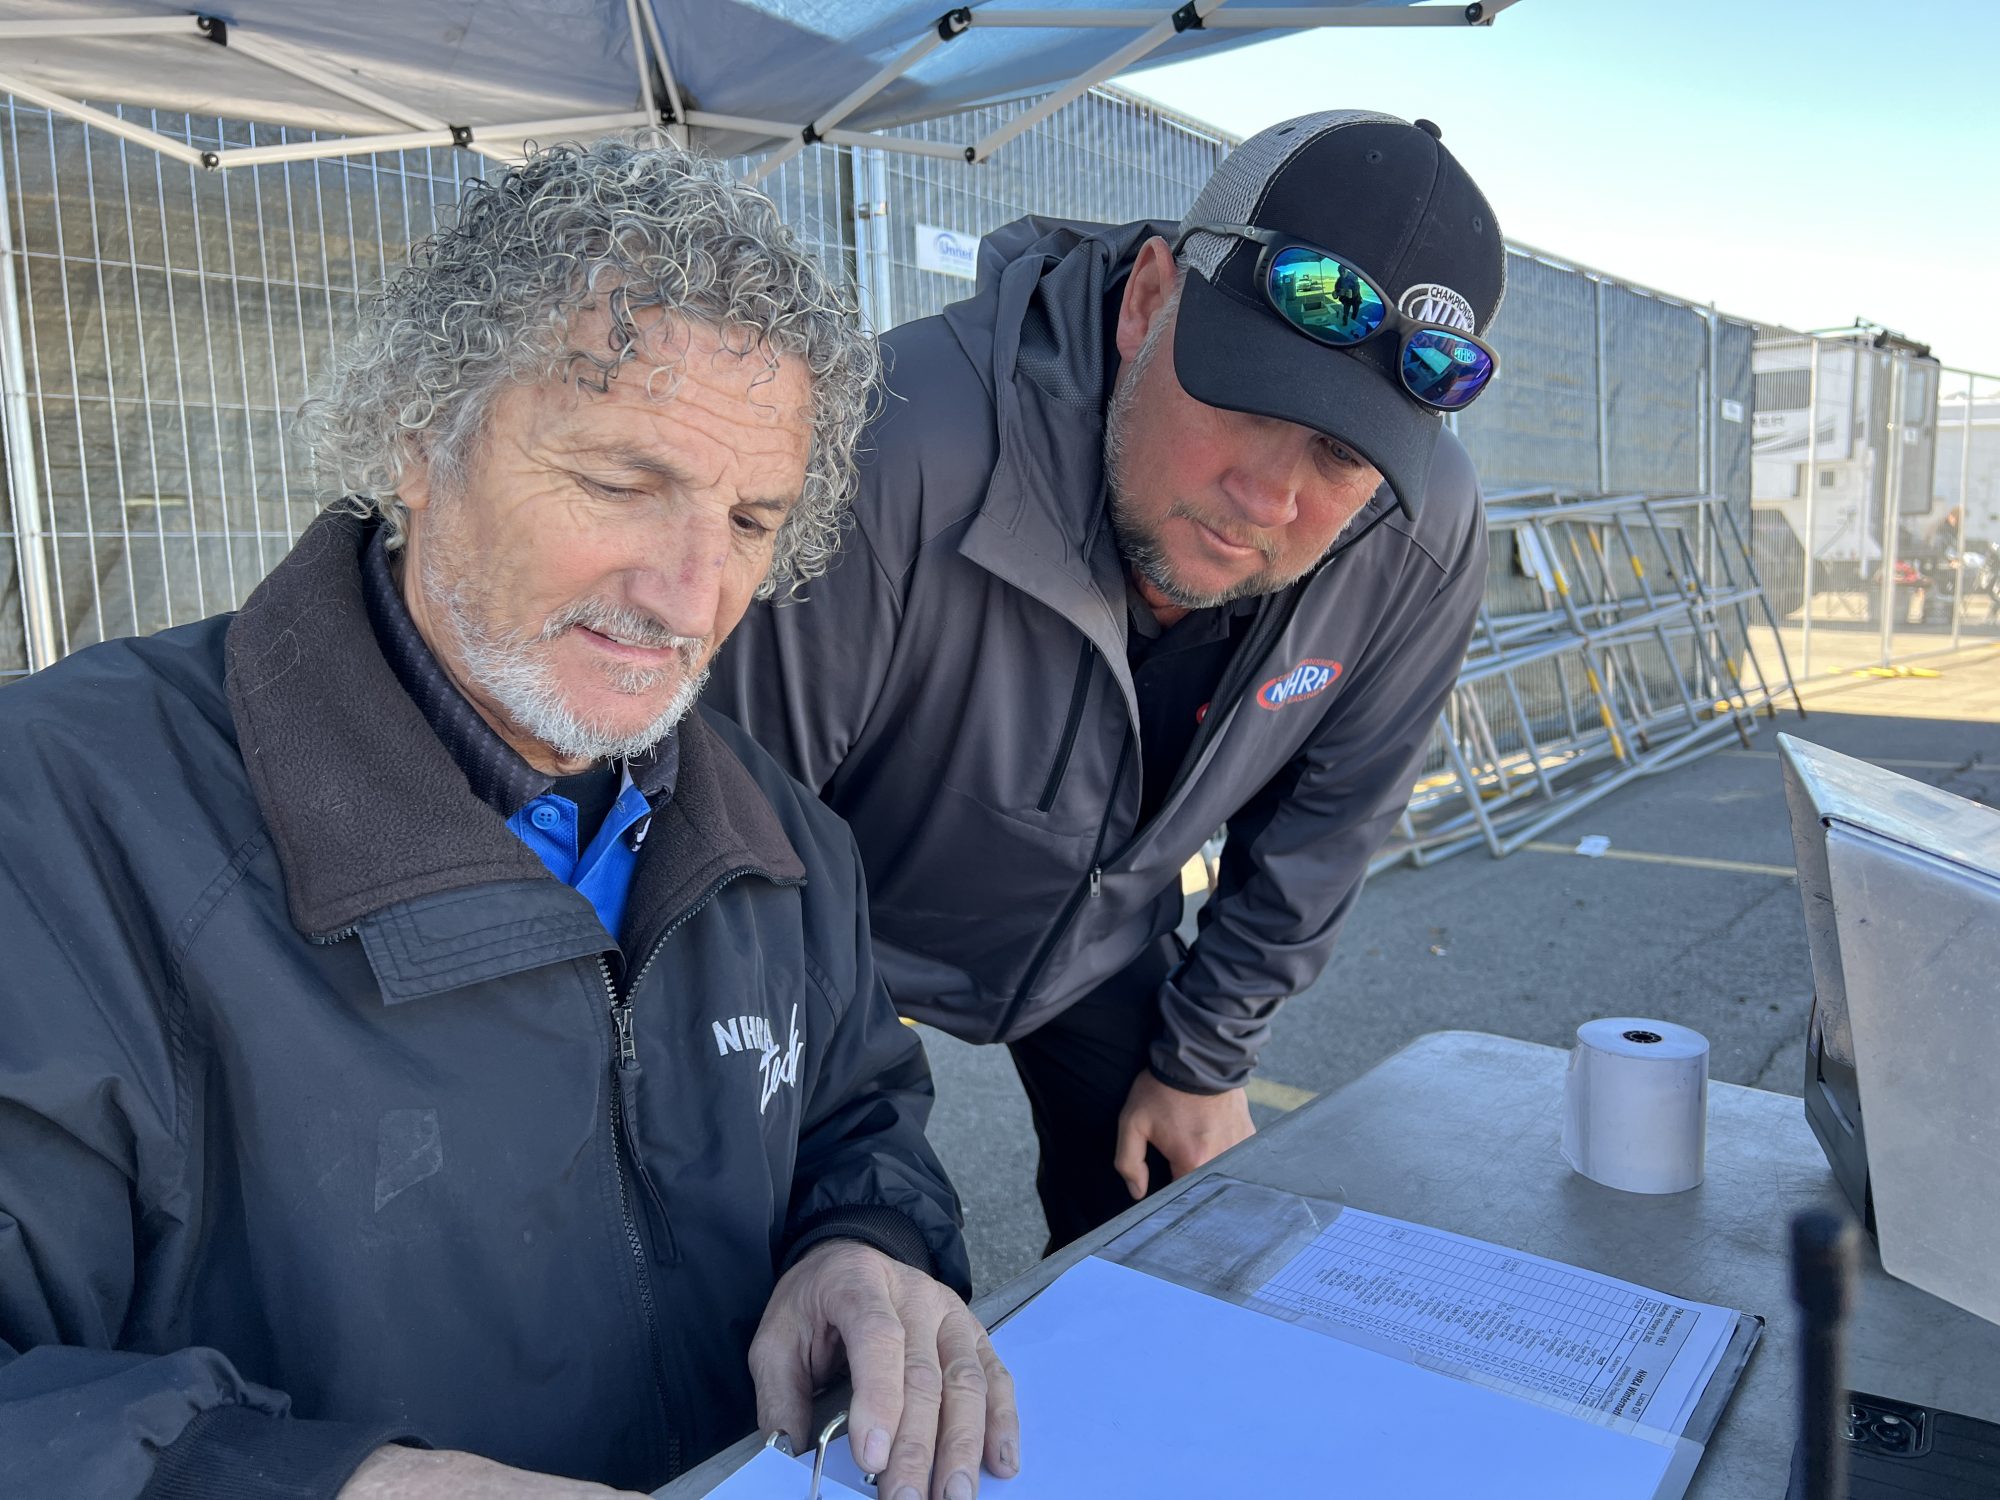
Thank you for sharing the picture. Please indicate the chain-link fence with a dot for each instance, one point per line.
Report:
(159, 324)
(1876, 499)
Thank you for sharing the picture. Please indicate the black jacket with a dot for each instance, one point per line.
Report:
(314, 1124)
(957, 687)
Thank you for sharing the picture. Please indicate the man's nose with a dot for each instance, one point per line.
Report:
(1265, 488)
(681, 580)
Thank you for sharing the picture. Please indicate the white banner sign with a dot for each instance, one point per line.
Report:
(948, 252)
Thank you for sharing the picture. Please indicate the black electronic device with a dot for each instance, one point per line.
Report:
(1897, 1451)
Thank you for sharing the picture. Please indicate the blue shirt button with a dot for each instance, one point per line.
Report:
(546, 817)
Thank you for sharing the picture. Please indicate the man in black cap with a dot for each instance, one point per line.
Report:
(1161, 530)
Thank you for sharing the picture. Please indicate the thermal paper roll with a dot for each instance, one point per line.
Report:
(1635, 1104)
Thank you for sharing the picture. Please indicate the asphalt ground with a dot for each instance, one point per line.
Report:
(1691, 917)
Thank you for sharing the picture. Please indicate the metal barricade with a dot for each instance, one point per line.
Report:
(1639, 660)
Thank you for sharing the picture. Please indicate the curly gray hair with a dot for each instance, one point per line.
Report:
(490, 298)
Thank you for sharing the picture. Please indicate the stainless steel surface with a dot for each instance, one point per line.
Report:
(1901, 887)
(1459, 1130)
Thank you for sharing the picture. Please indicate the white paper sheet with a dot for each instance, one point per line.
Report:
(1135, 1387)
(1583, 1343)
(772, 1476)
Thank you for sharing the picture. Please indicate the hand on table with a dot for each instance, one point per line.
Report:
(393, 1472)
(927, 1384)
(1187, 1129)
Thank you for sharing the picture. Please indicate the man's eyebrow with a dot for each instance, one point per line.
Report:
(664, 468)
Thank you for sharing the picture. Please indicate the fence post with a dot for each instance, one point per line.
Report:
(1964, 496)
(1603, 390)
(1811, 481)
(31, 561)
(1892, 499)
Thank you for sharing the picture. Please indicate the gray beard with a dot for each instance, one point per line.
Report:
(519, 678)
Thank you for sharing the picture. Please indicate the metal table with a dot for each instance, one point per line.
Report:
(1459, 1130)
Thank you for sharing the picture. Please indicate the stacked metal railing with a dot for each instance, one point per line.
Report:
(1632, 652)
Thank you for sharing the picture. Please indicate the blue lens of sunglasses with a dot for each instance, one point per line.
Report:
(1444, 370)
(1323, 297)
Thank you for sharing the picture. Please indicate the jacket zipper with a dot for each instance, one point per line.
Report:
(1090, 888)
(624, 1151)
(1077, 696)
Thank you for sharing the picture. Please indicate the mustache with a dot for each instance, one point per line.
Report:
(1266, 546)
(621, 623)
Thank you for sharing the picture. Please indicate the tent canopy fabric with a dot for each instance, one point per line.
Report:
(742, 74)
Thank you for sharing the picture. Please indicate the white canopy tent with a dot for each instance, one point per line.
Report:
(739, 75)
(374, 79)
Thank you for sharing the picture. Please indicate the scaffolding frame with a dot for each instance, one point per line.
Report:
(1640, 646)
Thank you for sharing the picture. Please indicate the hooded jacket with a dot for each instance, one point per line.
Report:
(957, 688)
(328, 1116)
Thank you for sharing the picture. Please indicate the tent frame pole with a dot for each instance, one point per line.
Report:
(38, 603)
(915, 53)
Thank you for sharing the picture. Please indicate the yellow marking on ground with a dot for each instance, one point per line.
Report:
(1896, 672)
(1690, 861)
(1277, 1095)
(1194, 877)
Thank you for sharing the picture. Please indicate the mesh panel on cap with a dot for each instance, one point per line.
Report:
(1235, 191)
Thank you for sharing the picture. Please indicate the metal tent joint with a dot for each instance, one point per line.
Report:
(953, 24)
(214, 28)
(461, 135)
(1187, 18)
(1475, 14)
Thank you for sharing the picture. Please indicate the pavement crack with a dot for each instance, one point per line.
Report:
(1756, 1076)
(1723, 929)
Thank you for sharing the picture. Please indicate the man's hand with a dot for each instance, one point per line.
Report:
(1188, 1129)
(926, 1380)
(397, 1473)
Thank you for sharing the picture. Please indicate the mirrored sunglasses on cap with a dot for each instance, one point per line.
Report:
(1329, 299)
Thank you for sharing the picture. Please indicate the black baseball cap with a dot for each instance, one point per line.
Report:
(1386, 195)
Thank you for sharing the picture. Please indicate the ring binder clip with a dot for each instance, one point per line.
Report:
(782, 1441)
(827, 1434)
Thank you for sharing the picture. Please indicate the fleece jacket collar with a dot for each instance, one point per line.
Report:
(371, 818)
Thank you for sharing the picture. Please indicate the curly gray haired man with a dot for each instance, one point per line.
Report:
(622, 277)
(444, 1060)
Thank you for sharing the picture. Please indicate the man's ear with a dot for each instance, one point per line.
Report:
(1147, 289)
(413, 484)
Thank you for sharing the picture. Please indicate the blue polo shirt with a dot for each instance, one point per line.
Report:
(599, 865)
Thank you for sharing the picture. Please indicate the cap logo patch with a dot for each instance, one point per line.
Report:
(1308, 679)
(1430, 302)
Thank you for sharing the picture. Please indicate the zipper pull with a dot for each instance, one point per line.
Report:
(628, 1050)
(1096, 881)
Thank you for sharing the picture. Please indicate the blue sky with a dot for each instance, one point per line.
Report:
(1792, 162)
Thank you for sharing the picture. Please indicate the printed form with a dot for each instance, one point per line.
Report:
(1590, 1345)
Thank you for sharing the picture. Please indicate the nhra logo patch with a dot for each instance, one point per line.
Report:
(1308, 679)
